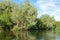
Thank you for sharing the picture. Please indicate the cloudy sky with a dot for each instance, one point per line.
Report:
(51, 7)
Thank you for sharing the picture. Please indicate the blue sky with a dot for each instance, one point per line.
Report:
(50, 7)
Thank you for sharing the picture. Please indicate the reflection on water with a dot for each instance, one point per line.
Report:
(29, 35)
(6, 36)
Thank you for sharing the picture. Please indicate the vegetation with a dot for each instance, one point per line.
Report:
(15, 17)
(45, 22)
(48, 22)
(24, 16)
(57, 26)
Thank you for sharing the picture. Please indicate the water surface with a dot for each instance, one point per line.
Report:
(30, 35)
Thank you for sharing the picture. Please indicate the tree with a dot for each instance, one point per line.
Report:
(24, 16)
(11, 15)
(39, 23)
(48, 22)
(5, 14)
(29, 14)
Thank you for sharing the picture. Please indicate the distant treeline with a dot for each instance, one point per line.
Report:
(58, 24)
(23, 16)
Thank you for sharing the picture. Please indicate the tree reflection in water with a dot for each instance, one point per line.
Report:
(7, 36)
(28, 35)
(35, 35)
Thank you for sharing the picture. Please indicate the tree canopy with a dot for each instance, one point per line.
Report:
(23, 16)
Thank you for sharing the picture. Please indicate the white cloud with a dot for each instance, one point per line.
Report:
(56, 14)
(57, 18)
(49, 7)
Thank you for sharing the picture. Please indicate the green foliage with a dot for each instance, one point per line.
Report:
(28, 15)
(39, 23)
(5, 14)
(57, 26)
(22, 16)
(45, 22)
(11, 15)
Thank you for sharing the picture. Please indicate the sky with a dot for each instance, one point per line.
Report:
(50, 7)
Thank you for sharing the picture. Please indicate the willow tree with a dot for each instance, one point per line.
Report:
(28, 15)
(25, 15)
(5, 14)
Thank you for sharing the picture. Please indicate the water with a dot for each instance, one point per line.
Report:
(30, 35)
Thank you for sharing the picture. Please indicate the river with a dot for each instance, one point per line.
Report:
(30, 35)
